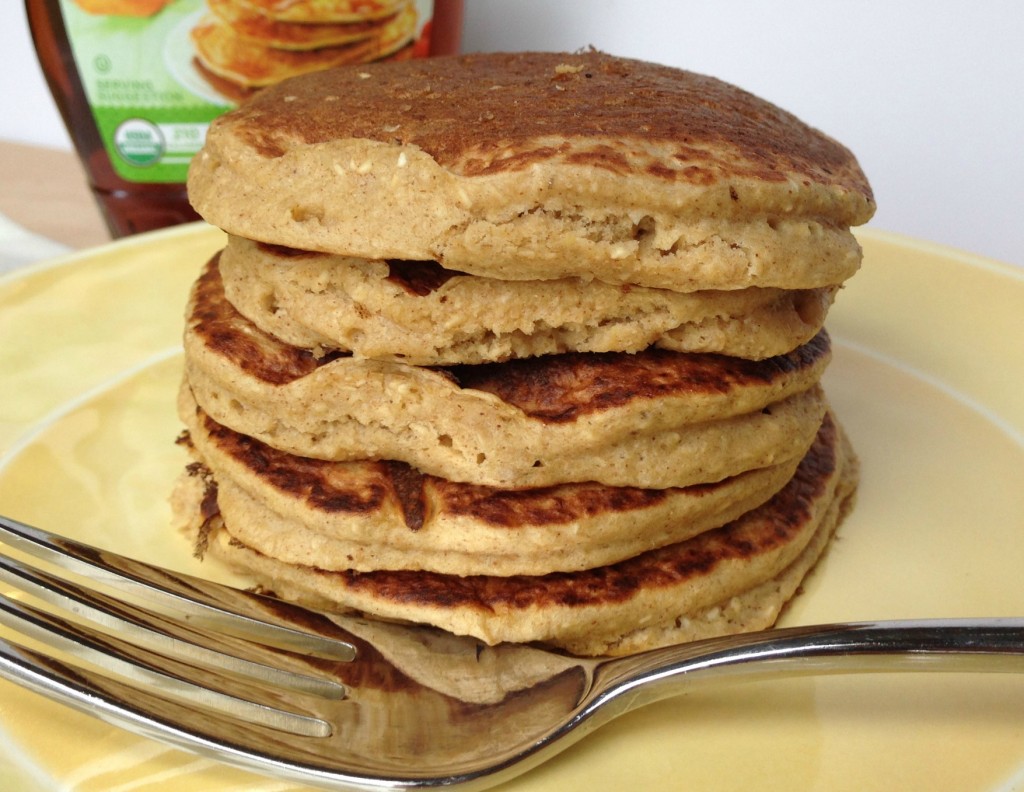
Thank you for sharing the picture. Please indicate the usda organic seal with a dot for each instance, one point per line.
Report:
(139, 142)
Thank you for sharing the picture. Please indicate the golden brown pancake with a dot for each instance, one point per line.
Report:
(253, 65)
(387, 515)
(744, 570)
(653, 419)
(251, 25)
(421, 313)
(321, 11)
(135, 8)
(539, 166)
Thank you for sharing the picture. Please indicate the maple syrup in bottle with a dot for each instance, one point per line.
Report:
(137, 92)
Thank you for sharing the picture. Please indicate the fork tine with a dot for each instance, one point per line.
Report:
(153, 632)
(117, 659)
(201, 603)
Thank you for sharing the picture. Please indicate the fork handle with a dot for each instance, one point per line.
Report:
(995, 644)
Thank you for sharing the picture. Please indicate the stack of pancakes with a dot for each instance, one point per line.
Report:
(245, 45)
(526, 347)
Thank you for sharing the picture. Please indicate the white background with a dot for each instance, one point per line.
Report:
(928, 93)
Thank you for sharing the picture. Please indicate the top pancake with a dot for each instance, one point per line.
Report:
(539, 165)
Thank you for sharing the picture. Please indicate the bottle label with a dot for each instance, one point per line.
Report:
(157, 72)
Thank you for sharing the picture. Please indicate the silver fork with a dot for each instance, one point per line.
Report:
(349, 703)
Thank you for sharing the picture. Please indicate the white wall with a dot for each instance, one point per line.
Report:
(928, 93)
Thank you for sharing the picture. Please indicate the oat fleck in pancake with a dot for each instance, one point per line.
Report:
(420, 313)
(386, 515)
(653, 419)
(699, 587)
(539, 166)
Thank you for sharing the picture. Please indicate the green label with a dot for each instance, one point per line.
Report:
(151, 106)
(150, 97)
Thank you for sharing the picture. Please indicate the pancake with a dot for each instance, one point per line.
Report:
(135, 8)
(249, 24)
(539, 166)
(653, 419)
(253, 65)
(237, 93)
(322, 11)
(386, 515)
(734, 577)
(423, 314)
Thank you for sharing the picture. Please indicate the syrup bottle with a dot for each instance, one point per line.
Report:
(137, 94)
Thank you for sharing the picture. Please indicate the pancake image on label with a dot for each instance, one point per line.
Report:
(249, 24)
(652, 419)
(134, 8)
(734, 577)
(420, 313)
(242, 47)
(538, 166)
(322, 11)
(386, 515)
(253, 65)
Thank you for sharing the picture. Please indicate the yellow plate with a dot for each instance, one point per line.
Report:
(928, 378)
